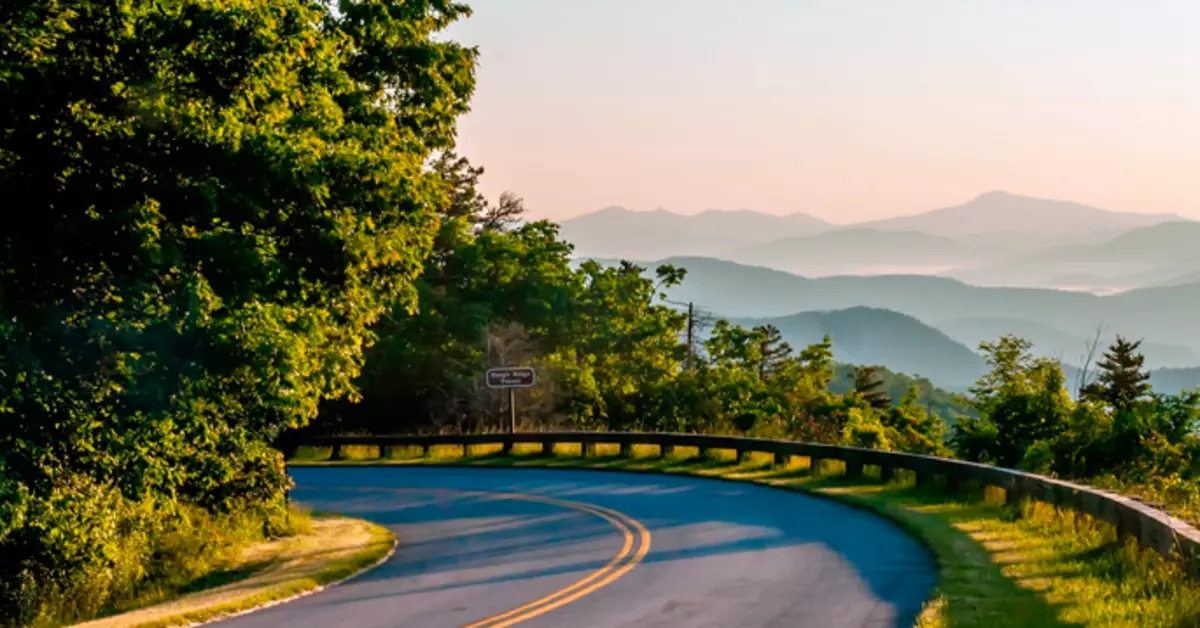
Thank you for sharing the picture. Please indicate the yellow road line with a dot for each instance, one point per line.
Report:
(600, 578)
(555, 600)
(632, 531)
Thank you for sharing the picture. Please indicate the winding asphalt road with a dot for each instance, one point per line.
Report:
(491, 548)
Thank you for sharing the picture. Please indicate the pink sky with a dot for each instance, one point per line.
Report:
(847, 111)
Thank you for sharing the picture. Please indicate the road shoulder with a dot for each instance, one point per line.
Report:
(337, 548)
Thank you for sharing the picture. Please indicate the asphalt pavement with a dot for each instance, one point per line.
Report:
(535, 548)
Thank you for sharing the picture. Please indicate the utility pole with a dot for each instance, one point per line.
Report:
(691, 324)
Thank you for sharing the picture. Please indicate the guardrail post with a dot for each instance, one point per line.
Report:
(1128, 524)
(424, 451)
(782, 459)
(886, 473)
(385, 452)
(626, 449)
(506, 447)
(739, 454)
(814, 466)
(854, 465)
(924, 477)
(953, 482)
(335, 452)
(589, 450)
(665, 450)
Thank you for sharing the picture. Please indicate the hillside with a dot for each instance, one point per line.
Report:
(1164, 315)
(901, 343)
(1179, 280)
(1136, 258)
(1004, 212)
(1171, 381)
(620, 232)
(937, 400)
(854, 250)
(924, 355)
(1051, 342)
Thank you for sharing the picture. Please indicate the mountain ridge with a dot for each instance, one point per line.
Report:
(1159, 314)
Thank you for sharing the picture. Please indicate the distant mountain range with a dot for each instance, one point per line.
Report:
(864, 335)
(898, 293)
(1166, 252)
(997, 239)
(619, 232)
(834, 252)
(905, 345)
(1002, 212)
(1051, 342)
(1162, 316)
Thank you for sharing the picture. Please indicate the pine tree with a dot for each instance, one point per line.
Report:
(869, 385)
(772, 350)
(1121, 380)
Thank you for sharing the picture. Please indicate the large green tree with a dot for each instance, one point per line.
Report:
(209, 202)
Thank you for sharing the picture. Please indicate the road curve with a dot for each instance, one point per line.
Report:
(536, 548)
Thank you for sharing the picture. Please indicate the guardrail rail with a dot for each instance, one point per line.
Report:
(1152, 528)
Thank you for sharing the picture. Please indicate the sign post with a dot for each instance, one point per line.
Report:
(511, 378)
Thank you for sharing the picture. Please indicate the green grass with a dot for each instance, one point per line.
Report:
(334, 549)
(1031, 565)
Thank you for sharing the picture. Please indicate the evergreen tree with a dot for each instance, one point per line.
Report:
(772, 351)
(870, 386)
(1121, 379)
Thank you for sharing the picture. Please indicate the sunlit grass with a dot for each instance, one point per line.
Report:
(1033, 566)
(332, 549)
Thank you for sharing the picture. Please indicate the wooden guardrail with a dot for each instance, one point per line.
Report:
(1152, 528)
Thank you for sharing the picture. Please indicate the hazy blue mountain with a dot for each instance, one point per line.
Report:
(901, 343)
(619, 232)
(854, 250)
(1172, 381)
(1008, 245)
(936, 400)
(1052, 342)
(1162, 315)
(999, 212)
(1178, 280)
(1139, 257)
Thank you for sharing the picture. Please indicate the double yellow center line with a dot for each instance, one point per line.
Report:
(636, 546)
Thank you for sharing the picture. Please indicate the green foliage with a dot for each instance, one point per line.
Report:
(1118, 433)
(864, 429)
(1022, 400)
(1122, 380)
(212, 203)
(868, 385)
(937, 402)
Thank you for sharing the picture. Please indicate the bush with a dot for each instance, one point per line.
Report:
(87, 551)
(1039, 458)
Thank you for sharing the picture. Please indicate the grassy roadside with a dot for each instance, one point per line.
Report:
(267, 573)
(1030, 566)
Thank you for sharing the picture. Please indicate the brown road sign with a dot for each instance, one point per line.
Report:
(511, 377)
